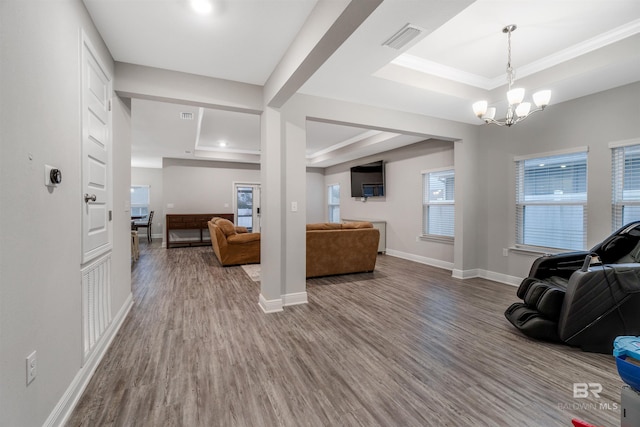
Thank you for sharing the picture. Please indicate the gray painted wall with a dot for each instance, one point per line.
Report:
(40, 294)
(200, 186)
(401, 208)
(317, 210)
(591, 121)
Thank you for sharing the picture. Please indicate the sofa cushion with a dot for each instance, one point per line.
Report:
(238, 239)
(324, 226)
(226, 226)
(357, 224)
(241, 229)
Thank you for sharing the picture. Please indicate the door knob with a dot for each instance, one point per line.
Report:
(89, 198)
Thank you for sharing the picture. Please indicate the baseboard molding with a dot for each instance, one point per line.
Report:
(485, 274)
(294, 299)
(421, 259)
(457, 273)
(61, 413)
(465, 274)
(270, 306)
(502, 278)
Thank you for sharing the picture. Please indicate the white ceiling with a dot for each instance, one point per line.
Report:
(574, 47)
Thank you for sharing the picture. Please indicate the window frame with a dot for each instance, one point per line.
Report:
(331, 206)
(133, 206)
(426, 204)
(618, 178)
(520, 204)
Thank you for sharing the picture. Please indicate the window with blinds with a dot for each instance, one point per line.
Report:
(551, 204)
(625, 170)
(334, 203)
(438, 203)
(139, 200)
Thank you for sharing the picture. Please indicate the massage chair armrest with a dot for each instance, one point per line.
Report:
(562, 265)
(625, 276)
(594, 292)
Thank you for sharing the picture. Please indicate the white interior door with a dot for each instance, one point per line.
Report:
(96, 154)
(247, 206)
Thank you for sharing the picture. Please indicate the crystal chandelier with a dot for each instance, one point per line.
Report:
(517, 110)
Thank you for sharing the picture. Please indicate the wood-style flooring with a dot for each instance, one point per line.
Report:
(406, 345)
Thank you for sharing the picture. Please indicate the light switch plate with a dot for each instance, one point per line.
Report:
(32, 367)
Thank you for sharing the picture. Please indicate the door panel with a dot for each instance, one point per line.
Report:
(96, 145)
(247, 206)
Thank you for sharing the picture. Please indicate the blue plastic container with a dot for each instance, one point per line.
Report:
(623, 348)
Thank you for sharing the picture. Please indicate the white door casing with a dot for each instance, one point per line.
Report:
(96, 154)
(247, 217)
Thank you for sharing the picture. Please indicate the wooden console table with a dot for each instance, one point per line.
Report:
(190, 222)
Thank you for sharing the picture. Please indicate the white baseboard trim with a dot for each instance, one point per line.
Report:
(61, 413)
(294, 299)
(421, 259)
(502, 278)
(485, 274)
(465, 274)
(270, 306)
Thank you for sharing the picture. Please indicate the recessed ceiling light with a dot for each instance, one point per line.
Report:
(203, 7)
(222, 143)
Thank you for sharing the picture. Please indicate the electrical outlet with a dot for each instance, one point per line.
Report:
(294, 206)
(32, 367)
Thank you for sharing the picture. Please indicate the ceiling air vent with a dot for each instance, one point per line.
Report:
(403, 36)
(186, 116)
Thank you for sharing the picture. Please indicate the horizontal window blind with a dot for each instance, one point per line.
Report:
(625, 170)
(334, 203)
(551, 201)
(438, 203)
(140, 200)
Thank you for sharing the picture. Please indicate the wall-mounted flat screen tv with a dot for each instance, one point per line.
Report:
(368, 180)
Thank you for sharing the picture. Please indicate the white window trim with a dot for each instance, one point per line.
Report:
(329, 204)
(617, 187)
(624, 143)
(543, 250)
(148, 205)
(574, 150)
(435, 237)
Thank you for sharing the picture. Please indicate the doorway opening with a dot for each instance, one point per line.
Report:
(247, 206)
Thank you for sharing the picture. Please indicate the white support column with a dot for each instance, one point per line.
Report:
(283, 242)
(295, 285)
(272, 247)
(283, 146)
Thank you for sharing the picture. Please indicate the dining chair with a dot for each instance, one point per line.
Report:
(145, 222)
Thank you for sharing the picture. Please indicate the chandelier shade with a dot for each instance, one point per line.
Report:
(517, 109)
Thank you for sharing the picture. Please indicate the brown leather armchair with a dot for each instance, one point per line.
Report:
(233, 245)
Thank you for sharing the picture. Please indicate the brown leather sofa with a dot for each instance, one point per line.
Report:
(233, 245)
(334, 248)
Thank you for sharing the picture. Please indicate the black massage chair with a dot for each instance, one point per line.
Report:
(583, 299)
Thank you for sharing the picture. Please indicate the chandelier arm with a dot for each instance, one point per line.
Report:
(494, 122)
(530, 113)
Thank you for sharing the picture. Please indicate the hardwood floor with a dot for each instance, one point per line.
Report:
(406, 345)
